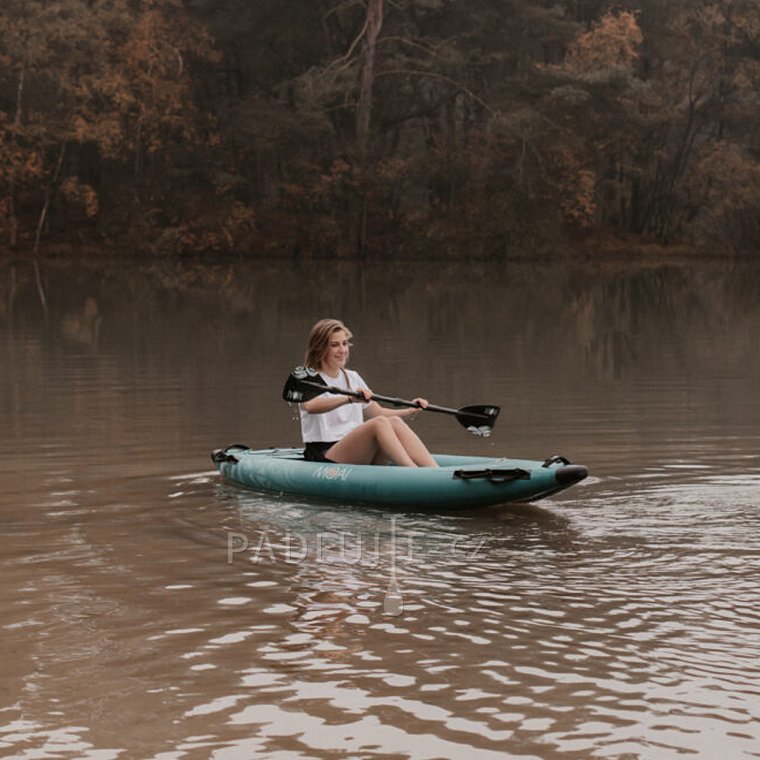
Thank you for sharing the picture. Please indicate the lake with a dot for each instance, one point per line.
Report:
(151, 611)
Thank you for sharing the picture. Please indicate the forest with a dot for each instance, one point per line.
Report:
(376, 128)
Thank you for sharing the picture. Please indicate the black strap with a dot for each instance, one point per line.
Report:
(556, 459)
(494, 474)
(223, 455)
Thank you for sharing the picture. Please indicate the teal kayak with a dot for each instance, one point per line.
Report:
(460, 482)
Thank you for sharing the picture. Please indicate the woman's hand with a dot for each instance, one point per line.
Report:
(414, 411)
(366, 392)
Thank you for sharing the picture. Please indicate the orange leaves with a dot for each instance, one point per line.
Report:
(140, 99)
(154, 71)
(319, 189)
(95, 78)
(74, 190)
(343, 181)
(613, 41)
(115, 73)
(577, 186)
(106, 130)
(19, 162)
(216, 233)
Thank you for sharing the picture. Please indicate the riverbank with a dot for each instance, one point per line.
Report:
(601, 247)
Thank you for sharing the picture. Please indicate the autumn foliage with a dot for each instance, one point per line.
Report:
(420, 127)
(612, 41)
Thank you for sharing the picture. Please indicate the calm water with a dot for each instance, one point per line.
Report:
(149, 611)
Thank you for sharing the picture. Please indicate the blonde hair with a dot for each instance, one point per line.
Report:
(319, 341)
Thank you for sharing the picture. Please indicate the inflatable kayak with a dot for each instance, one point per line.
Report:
(459, 482)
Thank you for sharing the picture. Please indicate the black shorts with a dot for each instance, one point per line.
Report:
(315, 451)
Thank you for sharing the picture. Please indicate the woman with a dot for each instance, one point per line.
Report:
(345, 430)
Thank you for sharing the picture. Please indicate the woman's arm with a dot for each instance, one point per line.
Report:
(325, 403)
(374, 409)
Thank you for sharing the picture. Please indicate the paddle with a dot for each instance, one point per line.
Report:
(304, 384)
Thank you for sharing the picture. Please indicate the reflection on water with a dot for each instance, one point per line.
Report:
(150, 611)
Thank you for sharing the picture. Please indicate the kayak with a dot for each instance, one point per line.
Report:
(460, 482)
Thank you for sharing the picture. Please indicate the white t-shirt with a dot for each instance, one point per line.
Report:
(334, 425)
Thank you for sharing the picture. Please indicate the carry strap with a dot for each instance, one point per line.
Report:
(556, 459)
(494, 474)
(223, 455)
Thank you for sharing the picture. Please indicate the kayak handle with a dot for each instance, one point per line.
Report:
(223, 455)
(494, 474)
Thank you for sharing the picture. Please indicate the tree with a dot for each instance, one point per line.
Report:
(111, 75)
(358, 126)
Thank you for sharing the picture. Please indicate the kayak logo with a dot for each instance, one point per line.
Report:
(330, 472)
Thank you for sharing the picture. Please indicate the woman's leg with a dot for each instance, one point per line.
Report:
(378, 436)
(412, 443)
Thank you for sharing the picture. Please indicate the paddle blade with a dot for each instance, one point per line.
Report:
(303, 384)
(479, 420)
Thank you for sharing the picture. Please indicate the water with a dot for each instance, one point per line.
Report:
(150, 611)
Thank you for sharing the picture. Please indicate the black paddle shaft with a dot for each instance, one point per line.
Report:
(304, 385)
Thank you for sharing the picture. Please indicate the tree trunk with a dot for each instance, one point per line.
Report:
(49, 197)
(374, 24)
(11, 207)
(11, 214)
